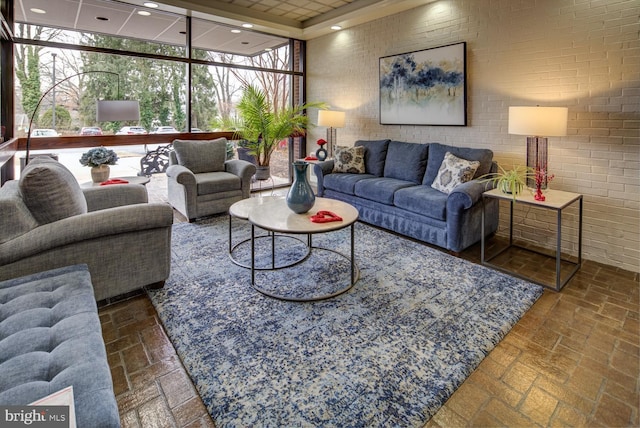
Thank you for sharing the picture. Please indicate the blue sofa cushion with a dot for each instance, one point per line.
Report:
(407, 161)
(423, 200)
(436, 156)
(344, 182)
(380, 189)
(50, 338)
(375, 153)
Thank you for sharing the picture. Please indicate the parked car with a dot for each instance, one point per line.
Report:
(91, 130)
(44, 133)
(164, 130)
(131, 130)
(196, 130)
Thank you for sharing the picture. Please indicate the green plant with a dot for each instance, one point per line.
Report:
(263, 128)
(510, 181)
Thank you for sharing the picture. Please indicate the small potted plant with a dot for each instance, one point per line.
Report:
(99, 160)
(510, 181)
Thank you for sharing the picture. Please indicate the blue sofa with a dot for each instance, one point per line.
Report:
(51, 338)
(395, 192)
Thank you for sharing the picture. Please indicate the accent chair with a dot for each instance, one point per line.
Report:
(202, 182)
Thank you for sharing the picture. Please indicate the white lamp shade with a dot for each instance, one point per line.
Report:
(331, 119)
(538, 121)
(117, 111)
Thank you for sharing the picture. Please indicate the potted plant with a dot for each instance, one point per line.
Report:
(510, 181)
(262, 127)
(99, 160)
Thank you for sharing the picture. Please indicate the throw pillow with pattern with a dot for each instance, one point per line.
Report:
(349, 159)
(453, 172)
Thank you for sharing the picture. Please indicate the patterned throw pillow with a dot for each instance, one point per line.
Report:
(453, 172)
(349, 159)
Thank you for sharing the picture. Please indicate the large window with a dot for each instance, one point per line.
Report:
(147, 59)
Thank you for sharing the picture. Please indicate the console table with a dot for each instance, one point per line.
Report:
(556, 200)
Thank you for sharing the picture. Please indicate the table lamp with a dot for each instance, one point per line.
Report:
(538, 123)
(332, 120)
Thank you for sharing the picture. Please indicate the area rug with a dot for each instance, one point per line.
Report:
(388, 352)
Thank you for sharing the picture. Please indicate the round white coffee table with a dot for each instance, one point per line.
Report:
(240, 210)
(276, 217)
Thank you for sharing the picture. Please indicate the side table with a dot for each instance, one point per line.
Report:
(556, 200)
(131, 180)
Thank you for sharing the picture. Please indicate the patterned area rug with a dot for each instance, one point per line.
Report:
(389, 352)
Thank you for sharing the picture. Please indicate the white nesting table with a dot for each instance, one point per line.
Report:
(276, 217)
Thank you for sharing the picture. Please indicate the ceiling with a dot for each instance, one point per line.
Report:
(212, 21)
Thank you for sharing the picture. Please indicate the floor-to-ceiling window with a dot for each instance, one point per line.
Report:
(187, 73)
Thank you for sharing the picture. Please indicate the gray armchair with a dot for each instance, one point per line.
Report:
(48, 221)
(201, 182)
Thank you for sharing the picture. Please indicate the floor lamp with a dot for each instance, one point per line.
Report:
(332, 120)
(538, 123)
(106, 111)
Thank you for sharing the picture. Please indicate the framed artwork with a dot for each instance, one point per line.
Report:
(427, 87)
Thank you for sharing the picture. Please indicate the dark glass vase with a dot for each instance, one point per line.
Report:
(300, 198)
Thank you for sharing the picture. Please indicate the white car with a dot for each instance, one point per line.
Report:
(44, 133)
(164, 130)
(131, 130)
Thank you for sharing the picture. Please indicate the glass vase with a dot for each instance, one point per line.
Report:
(300, 198)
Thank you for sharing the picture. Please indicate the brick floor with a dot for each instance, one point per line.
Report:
(572, 360)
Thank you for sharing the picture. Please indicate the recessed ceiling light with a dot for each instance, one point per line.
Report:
(149, 4)
(101, 18)
(144, 13)
(247, 25)
(268, 49)
(236, 31)
(336, 27)
(36, 10)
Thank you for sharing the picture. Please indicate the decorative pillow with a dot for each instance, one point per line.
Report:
(50, 191)
(201, 155)
(453, 172)
(349, 159)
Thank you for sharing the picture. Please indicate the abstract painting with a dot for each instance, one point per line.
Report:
(426, 87)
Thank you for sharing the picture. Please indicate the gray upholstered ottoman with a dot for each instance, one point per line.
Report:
(50, 338)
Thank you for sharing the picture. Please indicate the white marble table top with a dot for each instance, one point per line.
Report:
(276, 216)
(242, 208)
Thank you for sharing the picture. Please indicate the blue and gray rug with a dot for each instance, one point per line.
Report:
(389, 352)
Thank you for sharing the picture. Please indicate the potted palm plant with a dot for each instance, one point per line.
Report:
(261, 127)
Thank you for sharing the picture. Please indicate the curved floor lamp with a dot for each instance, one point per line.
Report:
(106, 110)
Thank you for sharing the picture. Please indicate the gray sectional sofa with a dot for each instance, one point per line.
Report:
(51, 338)
(395, 192)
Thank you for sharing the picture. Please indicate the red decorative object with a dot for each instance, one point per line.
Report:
(541, 176)
(321, 142)
(325, 217)
(114, 181)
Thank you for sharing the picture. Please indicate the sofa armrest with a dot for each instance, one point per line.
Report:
(102, 197)
(182, 175)
(321, 169)
(93, 225)
(467, 194)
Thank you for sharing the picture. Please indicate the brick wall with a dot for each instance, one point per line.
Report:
(581, 54)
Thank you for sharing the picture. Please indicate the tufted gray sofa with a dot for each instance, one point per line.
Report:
(50, 338)
(395, 192)
(48, 221)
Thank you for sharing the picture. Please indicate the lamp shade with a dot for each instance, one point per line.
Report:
(538, 121)
(331, 119)
(117, 110)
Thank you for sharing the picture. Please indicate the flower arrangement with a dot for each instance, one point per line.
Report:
(99, 156)
(541, 177)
